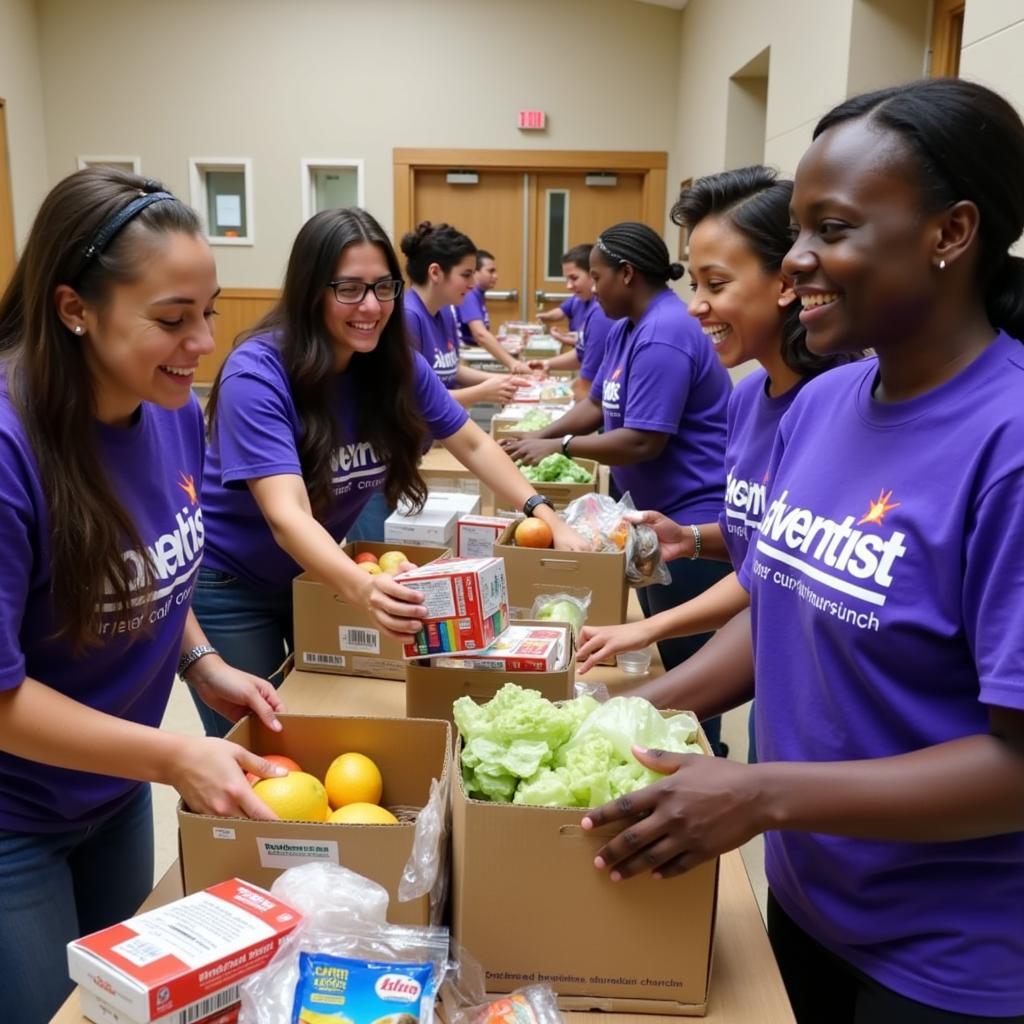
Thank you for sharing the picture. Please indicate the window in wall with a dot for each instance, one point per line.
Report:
(331, 185)
(221, 191)
(947, 37)
(556, 223)
(132, 164)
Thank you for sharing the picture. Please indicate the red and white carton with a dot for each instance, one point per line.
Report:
(229, 999)
(475, 535)
(169, 958)
(466, 601)
(518, 649)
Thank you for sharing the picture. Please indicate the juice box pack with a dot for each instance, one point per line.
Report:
(518, 649)
(466, 601)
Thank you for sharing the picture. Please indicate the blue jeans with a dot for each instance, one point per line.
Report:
(689, 578)
(251, 627)
(370, 523)
(58, 886)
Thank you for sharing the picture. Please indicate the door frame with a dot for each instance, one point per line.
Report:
(650, 165)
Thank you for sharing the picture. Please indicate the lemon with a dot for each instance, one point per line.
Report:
(362, 814)
(353, 779)
(298, 796)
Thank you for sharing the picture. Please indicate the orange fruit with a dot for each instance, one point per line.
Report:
(362, 814)
(298, 796)
(278, 759)
(533, 533)
(353, 779)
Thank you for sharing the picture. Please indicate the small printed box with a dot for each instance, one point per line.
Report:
(226, 1006)
(434, 525)
(475, 535)
(518, 649)
(467, 605)
(187, 954)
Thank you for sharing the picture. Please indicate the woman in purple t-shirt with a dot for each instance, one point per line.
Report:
(887, 594)
(101, 458)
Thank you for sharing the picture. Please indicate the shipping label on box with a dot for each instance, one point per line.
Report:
(179, 954)
(466, 601)
(475, 535)
(518, 649)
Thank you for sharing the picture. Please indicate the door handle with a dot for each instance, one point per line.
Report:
(509, 296)
(541, 296)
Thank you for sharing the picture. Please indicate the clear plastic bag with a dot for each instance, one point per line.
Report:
(426, 870)
(345, 925)
(602, 522)
(563, 606)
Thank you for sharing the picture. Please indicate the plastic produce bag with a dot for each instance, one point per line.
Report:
(563, 607)
(602, 521)
(426, 870)
(346, 955)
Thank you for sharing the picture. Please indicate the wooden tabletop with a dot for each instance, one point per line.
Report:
(745, 983)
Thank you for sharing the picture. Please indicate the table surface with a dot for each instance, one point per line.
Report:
(745, 984)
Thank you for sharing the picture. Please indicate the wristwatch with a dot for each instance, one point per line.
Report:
(191, 657)
(533, 502)
(565, 443)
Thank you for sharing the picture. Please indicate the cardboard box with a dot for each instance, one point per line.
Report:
(520, 648)
(554, 391)
(475, 535)
(192, 952)
(520, 329)
(504, 423)
(643, 946)
(334, 636)
(481, 359)
(541, 346)
(430, 690)
(441, 471)
(101, 1012)
(562, 494)
(533, 571)
(467, 605)
(435, 524)
(409, 753)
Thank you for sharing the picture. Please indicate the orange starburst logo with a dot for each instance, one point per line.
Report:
(617, 374)
(188, 485)
(878, 508)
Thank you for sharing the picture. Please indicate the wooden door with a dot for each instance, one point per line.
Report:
(565, 211)
(491, 213)
(7, 257)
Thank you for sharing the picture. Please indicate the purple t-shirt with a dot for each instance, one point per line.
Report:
(887, 595)
(155, 468)
(435, 337)
(663, 376)
(590, 346)
(474, 307)
(753, 423)
(257, 434)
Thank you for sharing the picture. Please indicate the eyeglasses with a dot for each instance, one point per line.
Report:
(351, 293)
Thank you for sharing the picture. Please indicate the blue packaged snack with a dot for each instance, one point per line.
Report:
(349, 990)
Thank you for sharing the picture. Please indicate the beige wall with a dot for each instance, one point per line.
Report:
(888, 43)
(21, 86)
(277, 82)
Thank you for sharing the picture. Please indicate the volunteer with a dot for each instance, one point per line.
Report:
(323, 404)
(474, 319)
(662, 396)
(440, 262)
(101, 453)
(887, 612)
(738, 225)
(586, 318)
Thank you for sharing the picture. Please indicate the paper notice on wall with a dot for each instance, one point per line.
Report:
(229, 211)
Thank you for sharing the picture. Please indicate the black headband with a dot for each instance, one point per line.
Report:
(102, 237)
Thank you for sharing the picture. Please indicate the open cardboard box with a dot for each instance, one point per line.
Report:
(534, 571)
(334, 636)
(441, 471)
(409, 753)
(560, 494)
(528, 903)
(430, 690)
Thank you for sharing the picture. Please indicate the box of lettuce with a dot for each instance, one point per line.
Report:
(526, 898)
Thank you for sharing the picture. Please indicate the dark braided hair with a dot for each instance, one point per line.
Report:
(755, 201)
(642, 248)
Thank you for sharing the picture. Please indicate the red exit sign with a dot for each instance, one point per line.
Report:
(534, 120)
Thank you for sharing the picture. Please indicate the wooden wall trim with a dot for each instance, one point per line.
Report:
(237, 310)
(533, 159)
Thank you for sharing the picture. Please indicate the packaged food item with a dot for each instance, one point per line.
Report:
(563, 607)
(475, 535)
(536, 1004)
(518, 649)
(466, 601)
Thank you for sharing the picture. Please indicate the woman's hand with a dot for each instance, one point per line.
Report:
(540, 366)
(529, 449)
(397, 609)
(233, 693)
(704, 807)
(210, 776)
(597, 643)
(565, 337)
(501, 388)
(675, 541)
(521, 369)
(565, 538)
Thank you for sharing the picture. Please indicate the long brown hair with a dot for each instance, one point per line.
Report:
(388, 417)
(51, 387)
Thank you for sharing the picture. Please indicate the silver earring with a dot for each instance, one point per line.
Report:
(78, 329)
(942, 264)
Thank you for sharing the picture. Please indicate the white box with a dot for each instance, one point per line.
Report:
(475, 535)
(435, 525)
